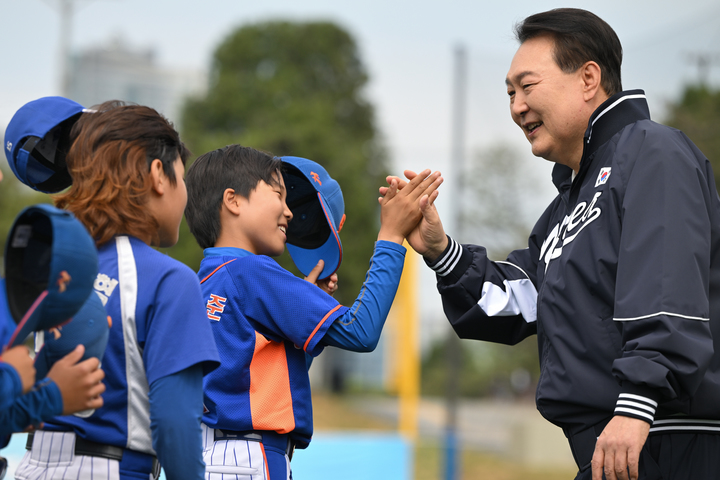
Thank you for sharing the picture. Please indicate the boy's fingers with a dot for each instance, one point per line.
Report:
(392, 190)
(315, 272)
(409, 174)
(91, 365)
(432, 183)
(426, 185)
(73, 357)
(401, 183)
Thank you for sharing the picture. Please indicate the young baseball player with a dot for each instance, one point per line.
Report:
(127, 163)
(50, 266)
(17, 373)
(268, 323)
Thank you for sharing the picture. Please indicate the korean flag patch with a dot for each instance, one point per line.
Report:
(603, 176)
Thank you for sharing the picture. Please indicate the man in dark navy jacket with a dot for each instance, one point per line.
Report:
(621, 277)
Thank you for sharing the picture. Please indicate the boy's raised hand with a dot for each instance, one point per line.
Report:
(80, 383)
(402, 204)
(428, 238)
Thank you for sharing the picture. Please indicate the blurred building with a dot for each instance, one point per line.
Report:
(116, 71)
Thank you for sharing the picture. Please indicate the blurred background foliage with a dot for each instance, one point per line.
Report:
(696, 114)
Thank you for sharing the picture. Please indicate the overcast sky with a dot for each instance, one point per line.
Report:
(407, 47)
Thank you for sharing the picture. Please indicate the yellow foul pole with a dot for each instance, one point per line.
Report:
(406, 344)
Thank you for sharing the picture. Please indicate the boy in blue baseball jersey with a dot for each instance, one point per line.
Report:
(127, 164)
(267, 322)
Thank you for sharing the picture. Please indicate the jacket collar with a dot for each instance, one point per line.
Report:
(613, 115)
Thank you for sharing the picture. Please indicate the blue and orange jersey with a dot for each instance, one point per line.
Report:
(266, 321)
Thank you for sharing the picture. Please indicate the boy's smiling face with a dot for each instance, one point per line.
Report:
(264, 218)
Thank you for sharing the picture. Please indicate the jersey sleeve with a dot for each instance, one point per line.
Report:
(282, 306)
(487, 300)
(661, 298)
(360, 327)
(175, 411)
(40, 404)
(177, 335)
(7, 325)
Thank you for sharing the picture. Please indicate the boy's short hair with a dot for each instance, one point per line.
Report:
(109, 161)
(234, 166)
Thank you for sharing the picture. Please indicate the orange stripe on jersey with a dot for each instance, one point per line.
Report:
(218, 268)
(328, 215)
(318, 327)
(267, 467)
(270, 397)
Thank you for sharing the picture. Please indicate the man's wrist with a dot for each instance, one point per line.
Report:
(636, 406)
(446, 260)
(433, 254)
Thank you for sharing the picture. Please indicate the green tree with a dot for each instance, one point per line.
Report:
(294, 88)
(696, 114)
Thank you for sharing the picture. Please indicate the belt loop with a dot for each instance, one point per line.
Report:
(28, 444)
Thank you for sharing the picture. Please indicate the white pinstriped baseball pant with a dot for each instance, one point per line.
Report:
(53, 458)
(234, 459)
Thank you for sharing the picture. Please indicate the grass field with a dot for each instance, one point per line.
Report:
(336, 413)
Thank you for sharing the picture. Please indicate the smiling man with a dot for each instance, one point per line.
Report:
(621, 277)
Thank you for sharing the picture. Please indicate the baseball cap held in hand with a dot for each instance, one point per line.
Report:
(37, 140)
(50, 268)
(318, 209)
(90, 326)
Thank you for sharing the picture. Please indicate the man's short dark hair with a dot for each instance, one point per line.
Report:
(237, 167)
(580, 36)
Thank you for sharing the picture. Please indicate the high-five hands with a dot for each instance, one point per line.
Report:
(428, 236)
(401, 204)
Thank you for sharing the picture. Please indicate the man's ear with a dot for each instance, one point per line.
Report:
(232, 201)
(158, 177)
(591, 76)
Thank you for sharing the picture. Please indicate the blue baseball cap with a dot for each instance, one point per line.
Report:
(90, 326)
(50, 268)
(318, 209)
(37, 140)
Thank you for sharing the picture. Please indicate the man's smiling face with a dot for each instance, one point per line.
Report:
(547, 103)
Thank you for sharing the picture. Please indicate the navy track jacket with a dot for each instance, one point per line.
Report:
(620, 281)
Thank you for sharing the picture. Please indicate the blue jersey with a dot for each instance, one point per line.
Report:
(265, 321)
(7, 325)
(159, 327)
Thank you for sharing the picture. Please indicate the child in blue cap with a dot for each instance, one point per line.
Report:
(243, 207)
(125, 164)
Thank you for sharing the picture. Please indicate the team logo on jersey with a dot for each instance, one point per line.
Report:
(215, 306)
(316, 177)
(603, 176)
(104, 286)
(566, 231)
(8, 146)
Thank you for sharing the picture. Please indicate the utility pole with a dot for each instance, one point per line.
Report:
(66, 16)
(703, 62)
(67, 11)
(453, 345)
